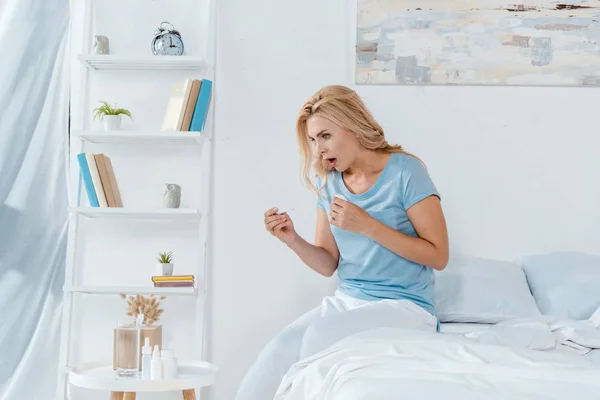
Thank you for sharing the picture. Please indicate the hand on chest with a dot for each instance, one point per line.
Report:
(359, 217)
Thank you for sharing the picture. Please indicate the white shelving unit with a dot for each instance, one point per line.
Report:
(123, 63)
(181, 214)
(141, 137)
(184, 291)
(195, 373)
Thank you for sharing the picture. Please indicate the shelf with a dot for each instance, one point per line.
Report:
(102, 290)
(190, 375)
(167, 63)
(185, 214)
(141, 137)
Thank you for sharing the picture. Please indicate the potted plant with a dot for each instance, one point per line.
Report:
(165, 265)
(111, 116)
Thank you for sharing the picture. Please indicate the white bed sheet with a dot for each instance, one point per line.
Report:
(392, 363)
(463, 327)
(593, 357)
(454, 328)
(544, 358)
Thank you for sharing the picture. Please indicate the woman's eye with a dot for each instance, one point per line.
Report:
(326, 136)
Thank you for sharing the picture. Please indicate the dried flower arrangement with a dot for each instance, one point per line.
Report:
(149, 306)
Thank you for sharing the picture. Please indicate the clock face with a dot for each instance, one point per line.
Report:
(168, 45)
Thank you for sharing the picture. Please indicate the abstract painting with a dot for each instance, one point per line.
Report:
(478, 42)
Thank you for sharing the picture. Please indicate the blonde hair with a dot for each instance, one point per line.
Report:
(342, 106)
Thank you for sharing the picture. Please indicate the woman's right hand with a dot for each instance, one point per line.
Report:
(280, 226)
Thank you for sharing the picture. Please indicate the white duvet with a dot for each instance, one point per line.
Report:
(391, 363)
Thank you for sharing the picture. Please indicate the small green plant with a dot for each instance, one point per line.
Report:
(165, 258)
(106, 109)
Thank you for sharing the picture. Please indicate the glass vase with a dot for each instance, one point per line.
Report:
(128, 342)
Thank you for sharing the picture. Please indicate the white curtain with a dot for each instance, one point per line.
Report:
(33, 193)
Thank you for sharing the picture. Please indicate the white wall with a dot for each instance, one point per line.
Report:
(516, 167)
(271, 56)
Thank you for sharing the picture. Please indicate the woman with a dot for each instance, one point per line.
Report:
(380, 225)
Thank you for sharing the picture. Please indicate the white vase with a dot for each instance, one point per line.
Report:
(164, 269)
(112, 122)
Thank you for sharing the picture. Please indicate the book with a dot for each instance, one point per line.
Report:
(99, 180)
(176, 106)
(173, 278)
(184, 104)
(93, 168)
(174, 284)
(87, 180)
(191, 105)
(202, 106)
(113, 182)
(188, 106)
(104, 179)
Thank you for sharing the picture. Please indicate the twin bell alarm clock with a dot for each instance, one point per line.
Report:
(167, 42)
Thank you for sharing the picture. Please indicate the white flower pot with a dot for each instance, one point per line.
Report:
(164, 269)
(112, 122)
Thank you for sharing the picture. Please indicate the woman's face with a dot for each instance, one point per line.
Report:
(339, 147)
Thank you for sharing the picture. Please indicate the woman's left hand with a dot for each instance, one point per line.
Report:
(350, 217)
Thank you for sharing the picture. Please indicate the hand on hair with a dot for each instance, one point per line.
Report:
(350, 217)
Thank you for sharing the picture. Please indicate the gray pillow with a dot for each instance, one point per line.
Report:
(564, 284)
(480, 290)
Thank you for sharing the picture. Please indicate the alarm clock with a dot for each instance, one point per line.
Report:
(167, 42)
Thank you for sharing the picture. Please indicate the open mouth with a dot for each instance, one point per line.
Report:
(331, 162)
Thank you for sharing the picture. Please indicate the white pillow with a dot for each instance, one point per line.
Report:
(482, 291)
(564, 284)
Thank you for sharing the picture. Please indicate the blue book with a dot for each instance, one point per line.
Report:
(87, 180)
(202, 105)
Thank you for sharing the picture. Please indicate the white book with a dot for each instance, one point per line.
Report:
(187, 89)
(176, 106)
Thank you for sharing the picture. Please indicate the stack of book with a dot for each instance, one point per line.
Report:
(188, 106)
(173, 281)
(99, 180)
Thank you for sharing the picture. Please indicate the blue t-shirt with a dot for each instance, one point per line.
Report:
(366, 269)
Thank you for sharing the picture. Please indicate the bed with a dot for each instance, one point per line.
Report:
(508, 331)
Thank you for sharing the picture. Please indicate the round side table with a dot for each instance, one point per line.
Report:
(190, 375)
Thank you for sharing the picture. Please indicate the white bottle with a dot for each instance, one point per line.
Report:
(156, 366)
(146, 359)
(169, 364)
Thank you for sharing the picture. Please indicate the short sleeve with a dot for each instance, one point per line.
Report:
(416, 183)
(320, 198)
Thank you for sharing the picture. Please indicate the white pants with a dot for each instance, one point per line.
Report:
(336, 318)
